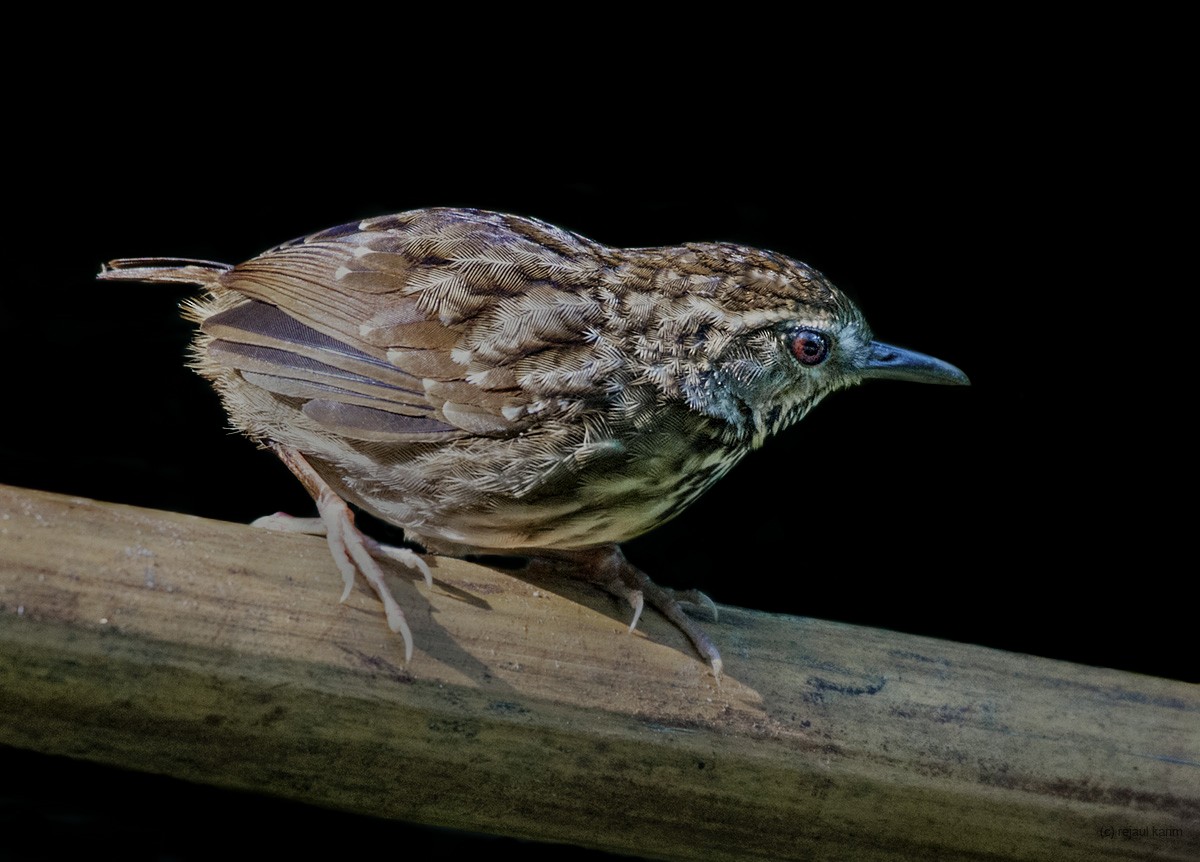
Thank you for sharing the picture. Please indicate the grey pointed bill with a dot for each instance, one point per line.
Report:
(896, 363)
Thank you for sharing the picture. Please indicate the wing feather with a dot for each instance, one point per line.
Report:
(421, 326)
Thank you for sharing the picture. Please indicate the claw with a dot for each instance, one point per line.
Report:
(406, 556)
(697, 599)
(638, 601)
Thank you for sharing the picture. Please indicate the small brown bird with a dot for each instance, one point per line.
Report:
(497, 385)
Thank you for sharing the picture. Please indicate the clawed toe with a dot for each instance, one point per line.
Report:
(694, 599)
(282, 522)
(406, 556)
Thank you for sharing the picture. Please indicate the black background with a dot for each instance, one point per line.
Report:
(1017, 513)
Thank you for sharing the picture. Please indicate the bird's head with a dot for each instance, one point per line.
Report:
(785, 337)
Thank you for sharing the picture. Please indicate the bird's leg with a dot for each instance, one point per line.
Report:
(607, 567)
(352, 551)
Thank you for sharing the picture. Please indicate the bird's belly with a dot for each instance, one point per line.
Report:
(597, 508)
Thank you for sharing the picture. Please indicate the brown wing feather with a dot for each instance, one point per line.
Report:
(428, 322)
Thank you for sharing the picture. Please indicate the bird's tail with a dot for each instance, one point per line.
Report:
(163, 270)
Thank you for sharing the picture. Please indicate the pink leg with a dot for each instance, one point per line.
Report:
(352, 551)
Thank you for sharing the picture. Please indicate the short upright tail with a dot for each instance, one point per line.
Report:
(163, 270)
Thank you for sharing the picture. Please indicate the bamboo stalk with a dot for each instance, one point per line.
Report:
(218, 653)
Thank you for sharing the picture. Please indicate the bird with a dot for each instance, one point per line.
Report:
(496, 385)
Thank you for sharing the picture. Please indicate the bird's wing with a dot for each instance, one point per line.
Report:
(426, 325)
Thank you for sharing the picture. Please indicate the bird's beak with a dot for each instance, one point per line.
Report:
(896, 363)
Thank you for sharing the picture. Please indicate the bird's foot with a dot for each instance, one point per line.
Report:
(282, 522)
(607, 568)
(353, 552)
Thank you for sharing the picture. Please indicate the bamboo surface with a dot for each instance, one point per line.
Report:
(218, 653)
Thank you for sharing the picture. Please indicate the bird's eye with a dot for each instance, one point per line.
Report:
(809, 346)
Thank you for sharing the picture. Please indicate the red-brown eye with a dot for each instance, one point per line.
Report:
(809, 346)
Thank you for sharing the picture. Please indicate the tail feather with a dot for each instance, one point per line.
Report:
(163, 270)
